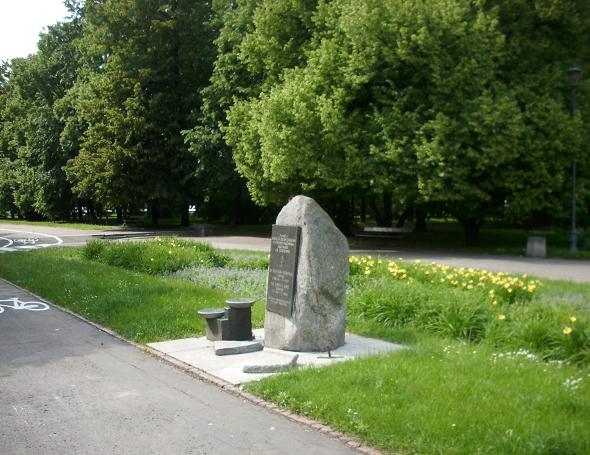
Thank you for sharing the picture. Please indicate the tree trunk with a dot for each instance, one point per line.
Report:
(387, 212)
(403, 217)
(119, 212)
(471, 227)
(343, 218)
(184, 218)
(236, 207)
(420, 225)
(363, 209)
(383, 214)
(155, 205)
(92, 212)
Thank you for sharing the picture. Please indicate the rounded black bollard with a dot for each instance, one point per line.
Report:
(239, 319)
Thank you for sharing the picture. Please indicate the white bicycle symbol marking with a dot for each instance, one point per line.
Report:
(17, 304)
(29, 241)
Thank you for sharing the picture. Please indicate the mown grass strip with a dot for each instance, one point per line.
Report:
(140, 307)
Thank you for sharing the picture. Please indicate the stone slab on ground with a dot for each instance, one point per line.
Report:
(200, 353)
(236, 347)
(283, 362)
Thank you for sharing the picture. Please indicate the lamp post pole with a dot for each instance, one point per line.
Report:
(574, 75)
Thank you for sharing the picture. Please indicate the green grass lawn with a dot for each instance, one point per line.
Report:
(445, 397)
(140, 307)
(467, 383)
(84, 226)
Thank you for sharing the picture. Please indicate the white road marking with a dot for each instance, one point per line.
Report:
(28, 241)
(8, 240)
(17, 304)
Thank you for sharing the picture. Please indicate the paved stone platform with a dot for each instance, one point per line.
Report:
(199, 353)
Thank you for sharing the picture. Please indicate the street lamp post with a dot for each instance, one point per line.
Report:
(574, 75)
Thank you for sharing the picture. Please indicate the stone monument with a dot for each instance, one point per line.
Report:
(306, 289)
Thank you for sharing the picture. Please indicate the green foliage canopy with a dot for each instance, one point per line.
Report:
(443, 101)
(33, 181)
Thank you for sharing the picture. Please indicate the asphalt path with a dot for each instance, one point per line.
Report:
(16, 237)
(69, 388)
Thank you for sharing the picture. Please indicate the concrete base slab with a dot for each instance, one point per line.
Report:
(200, 353)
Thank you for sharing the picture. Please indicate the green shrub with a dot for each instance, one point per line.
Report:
(158, 256)
(458, 316)
(392, 304)
(248, 263)
(93, 250)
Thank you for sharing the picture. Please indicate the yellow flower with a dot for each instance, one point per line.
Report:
(567, 330)
(573, 319)
(152, 259)
(169, 251)
(501, 317)
(495, 302)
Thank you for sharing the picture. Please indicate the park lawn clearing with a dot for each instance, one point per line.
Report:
(441, 395)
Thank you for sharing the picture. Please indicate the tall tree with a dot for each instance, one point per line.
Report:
(31, 124)
(146, 61)
(245, 64)
(6, 169)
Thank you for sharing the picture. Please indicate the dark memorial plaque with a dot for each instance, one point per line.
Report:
(282, 271)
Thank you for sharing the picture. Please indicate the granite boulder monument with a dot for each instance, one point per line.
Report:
(306, 288)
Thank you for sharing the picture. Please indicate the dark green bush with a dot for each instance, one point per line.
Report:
(158, 256)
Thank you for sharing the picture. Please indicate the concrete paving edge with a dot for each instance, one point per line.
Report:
(223, 385)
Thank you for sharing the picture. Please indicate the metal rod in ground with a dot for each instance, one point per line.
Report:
(330, 356)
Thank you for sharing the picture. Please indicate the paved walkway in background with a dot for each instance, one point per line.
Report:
(561, 269)
(68, 388)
